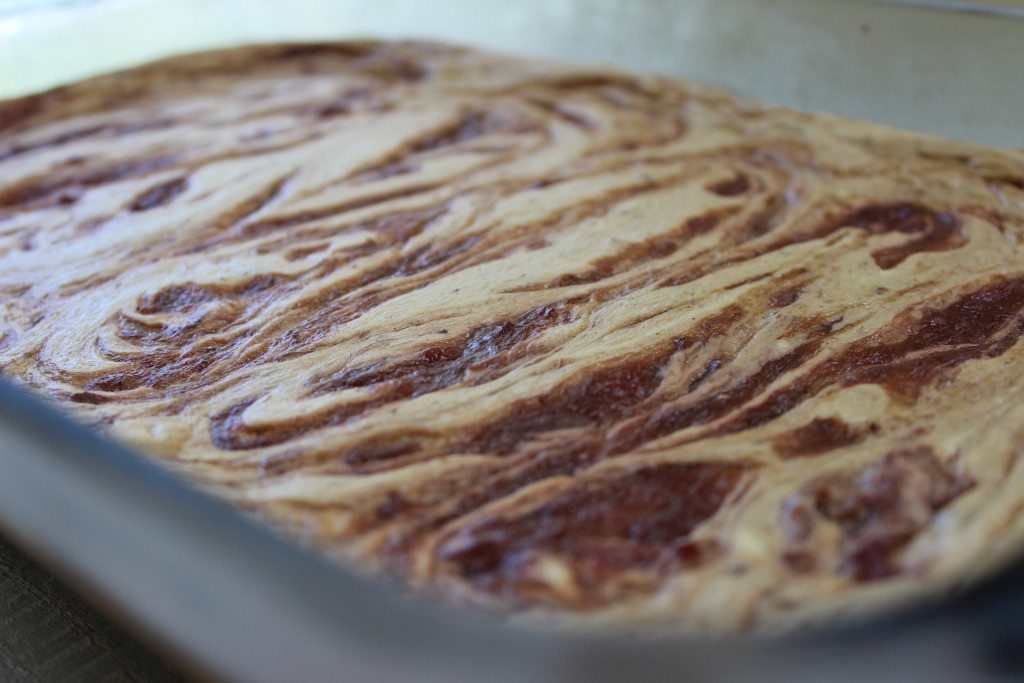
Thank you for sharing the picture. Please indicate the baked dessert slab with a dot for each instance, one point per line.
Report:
(571, 344)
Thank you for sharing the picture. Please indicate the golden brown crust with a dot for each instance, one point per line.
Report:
(568, 343)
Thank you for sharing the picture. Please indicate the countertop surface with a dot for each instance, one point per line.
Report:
(47, 633)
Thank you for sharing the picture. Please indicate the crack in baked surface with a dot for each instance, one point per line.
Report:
(571, 345)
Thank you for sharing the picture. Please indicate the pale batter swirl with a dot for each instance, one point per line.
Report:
(572, 344)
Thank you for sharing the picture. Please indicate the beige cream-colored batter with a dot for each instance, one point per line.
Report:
(574, 345)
